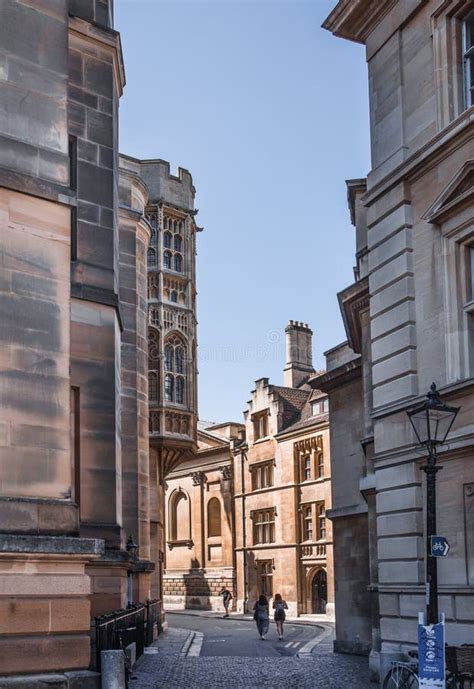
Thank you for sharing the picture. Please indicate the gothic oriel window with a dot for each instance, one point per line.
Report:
(178, 242)
(175, 369)
(169, 388)
(307, 523)
(178, 263)
(167, 260)
(151, 258)
(179, 394)
(167, 240)
(174, 296)
(153, 386)
(468, 59)
(214, 526)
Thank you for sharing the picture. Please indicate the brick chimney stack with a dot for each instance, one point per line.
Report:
(299, 353)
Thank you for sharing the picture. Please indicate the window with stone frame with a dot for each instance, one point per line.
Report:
(263, 526)
(468, 58)
(307, 514)
(260, 425)
(262, 475)
(175, 370)
(320, 521)
(151, 258)
(320, 406)
(265, 571)
(306, 469)
(320, 465)
(214, 521)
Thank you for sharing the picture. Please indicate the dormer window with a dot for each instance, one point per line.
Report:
(320, 406)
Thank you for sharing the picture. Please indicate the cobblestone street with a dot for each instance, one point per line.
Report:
(167, 665)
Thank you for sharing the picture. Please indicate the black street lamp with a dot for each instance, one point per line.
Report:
(431, 421)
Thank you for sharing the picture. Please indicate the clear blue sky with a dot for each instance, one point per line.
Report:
(269, 112)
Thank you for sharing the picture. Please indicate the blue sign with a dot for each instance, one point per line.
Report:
(439, 546)
(431, 671)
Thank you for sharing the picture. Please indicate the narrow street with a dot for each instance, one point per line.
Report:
(215, 653)
(235, 637)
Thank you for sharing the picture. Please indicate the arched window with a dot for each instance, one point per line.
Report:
(151, 258)
(169, 352)
(180, 226)
(179, 390)
(175, 226)
(153, 386)
(179, 517)
(174, 296)
(167, 260)
(154, 235)
(167, 240)
(178, 242)
(214, 527)
(169, 388)
(178, 263)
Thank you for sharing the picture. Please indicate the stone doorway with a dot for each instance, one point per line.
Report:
(319, 592)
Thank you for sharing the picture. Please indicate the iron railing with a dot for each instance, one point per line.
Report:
(117, 630)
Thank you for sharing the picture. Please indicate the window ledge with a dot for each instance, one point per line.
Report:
(180, 544)
(469, 307)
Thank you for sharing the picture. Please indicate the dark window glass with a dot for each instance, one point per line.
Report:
(178, 263)
(178, 242)
(167, 260)
(167, 240)
(168, 358)
(179, 390)
(169, 388)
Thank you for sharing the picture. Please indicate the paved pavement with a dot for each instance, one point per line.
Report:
(233, 656)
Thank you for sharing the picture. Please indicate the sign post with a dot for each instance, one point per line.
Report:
(439, 546)
(431, 661)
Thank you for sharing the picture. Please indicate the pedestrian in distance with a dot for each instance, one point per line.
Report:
(279, 606)
(261, 616)
(226, 598)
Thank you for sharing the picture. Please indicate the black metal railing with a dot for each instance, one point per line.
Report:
(136, 624)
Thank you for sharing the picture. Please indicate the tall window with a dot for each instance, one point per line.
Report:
(264, 526)
(307, 523)
(262, 475)
(320, 465)
(174, 296)
(468, 56)
(167, 238)
(151, 258)
(153, 386)
(306, 468)
(266, 577)
(167, 260)
(178, 243)
(214, 527)
(175, 369)
(179, 517)
(321, 521)
(178, 263)
(169, 388)
(260, 425)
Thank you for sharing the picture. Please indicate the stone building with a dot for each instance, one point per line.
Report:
(201, 528)
(80, 473)
(282, 484)
(408, 318)
(248, 511)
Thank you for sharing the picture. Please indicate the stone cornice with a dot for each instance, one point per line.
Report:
(355, 19)
(352, 301)
(338, 376)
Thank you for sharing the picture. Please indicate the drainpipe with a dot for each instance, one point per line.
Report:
(244, 528)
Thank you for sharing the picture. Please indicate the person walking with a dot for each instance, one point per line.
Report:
(226, 598)
(279, 606)
(261, 616)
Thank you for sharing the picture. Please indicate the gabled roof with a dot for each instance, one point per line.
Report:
(459, 191)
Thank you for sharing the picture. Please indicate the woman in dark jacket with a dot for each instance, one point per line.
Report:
(262, 616)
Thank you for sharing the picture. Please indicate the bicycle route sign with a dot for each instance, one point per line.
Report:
(439, 546)
(431, 661)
